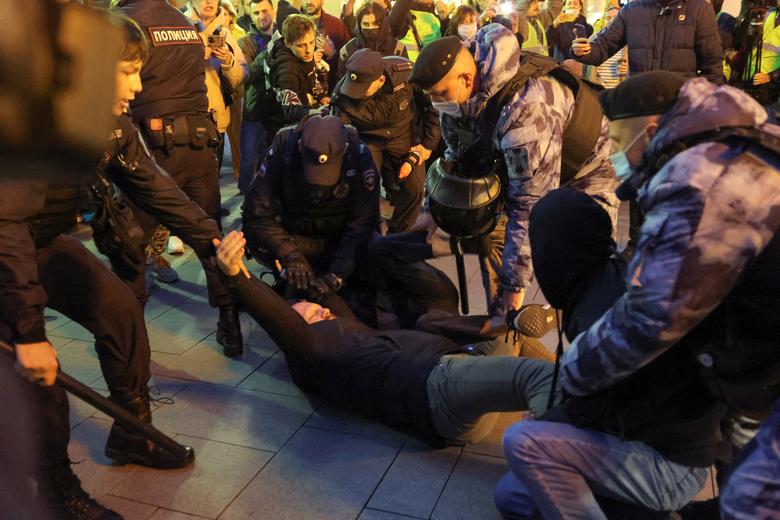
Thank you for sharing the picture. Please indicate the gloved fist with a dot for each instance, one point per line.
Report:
(299, 271)
(326, 285)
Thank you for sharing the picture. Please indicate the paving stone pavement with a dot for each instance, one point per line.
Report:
(264, 449)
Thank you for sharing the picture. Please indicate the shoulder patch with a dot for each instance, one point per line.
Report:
(350, 173)
(403, 105)
(369, 179)
(181, 35)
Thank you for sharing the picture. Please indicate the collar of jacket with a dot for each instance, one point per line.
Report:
(218, 20)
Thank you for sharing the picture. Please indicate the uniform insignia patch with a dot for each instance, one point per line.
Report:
(681, 18)
(350, 173)
(403, 105)
(369, 179)
(181, 35)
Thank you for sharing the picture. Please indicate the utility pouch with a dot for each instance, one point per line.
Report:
(155, 133)
(181, 131)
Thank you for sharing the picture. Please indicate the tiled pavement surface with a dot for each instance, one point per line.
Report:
(264, 449)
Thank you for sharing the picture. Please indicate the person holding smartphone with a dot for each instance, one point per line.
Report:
(567, 26)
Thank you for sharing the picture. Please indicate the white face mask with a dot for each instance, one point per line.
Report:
(623, 168)
(467, 32)
(449, 107)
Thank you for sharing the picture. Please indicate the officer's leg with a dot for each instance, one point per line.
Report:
(109, 310)
(407, 195)
(196, 174)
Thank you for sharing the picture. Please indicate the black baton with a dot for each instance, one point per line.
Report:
(110, 408)
(462, 285)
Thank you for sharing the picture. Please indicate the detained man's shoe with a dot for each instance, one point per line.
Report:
(127, 447)
(61, 489)
(229, 331)
(534, 320)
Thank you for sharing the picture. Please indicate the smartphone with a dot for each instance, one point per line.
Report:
(217, 39)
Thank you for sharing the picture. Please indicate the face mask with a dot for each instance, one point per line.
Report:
(449, 107)
(370, 35)
(620, 161)
(467, 32)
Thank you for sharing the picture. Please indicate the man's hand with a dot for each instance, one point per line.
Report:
(761, 78)
(224, 55)
(230, 253)
(422, 151)
(564, 17)
(326, 285)
(299, 271)
(425, 222)
(327, 47)
(496, 324)
(580, 47)
(37, 362)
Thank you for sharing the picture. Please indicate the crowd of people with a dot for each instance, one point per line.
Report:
(368, 141)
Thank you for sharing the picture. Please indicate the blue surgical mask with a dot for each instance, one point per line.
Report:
(623, 168)
(449, 107)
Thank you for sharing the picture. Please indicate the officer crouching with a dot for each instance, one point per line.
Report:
(396, 121)
(313, 206)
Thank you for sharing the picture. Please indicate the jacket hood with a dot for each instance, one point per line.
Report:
(703, 106)
(384, 41)
(497, 55)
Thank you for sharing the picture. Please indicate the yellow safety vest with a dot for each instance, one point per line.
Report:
(770, 50)
(537, 39)
(428, 28)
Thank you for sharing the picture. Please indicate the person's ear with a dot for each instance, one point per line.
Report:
(652, 129)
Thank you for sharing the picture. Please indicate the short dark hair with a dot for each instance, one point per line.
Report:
(295, 26)
(252, 2)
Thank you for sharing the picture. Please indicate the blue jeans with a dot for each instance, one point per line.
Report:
(557, 468)
(254, 143)
(753, 489)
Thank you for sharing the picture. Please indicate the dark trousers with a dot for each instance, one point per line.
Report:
(405, 195)
(398, 266)
(195, 171)
(80, 286)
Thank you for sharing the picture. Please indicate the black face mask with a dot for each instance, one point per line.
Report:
(370, 35)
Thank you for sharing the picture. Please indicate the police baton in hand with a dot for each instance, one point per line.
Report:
(122, 416)
(463, 287)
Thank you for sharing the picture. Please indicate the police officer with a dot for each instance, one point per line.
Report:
(41, 266)
(375, 97)
(314, 205)
(173, 113)
(692, 330)
(531, 126)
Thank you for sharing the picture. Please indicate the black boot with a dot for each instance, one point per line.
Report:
(127, 447)
(229, 331)
(61, 489)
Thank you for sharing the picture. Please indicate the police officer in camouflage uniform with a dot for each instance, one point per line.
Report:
(313, 206)
(692, 332)
(529, 134)
(172, 111)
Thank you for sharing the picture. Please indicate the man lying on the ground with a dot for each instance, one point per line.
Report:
(420, 381)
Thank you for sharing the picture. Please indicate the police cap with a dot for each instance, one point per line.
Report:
(363, 68)
(322, 145)
(646, 94)
(435, 61)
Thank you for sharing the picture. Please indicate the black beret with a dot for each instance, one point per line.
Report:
(645, 94)
(435, 61)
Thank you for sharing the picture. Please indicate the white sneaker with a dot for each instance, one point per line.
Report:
(175, 246)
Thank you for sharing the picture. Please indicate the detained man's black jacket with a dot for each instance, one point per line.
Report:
(33, 213)
(281, 203)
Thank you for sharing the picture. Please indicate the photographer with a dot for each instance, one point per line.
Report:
(533, 21)
(692, 330)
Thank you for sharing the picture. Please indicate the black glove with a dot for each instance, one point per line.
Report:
(326, 285)
(299, 271)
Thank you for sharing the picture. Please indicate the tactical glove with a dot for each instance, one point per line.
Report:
(299, 271)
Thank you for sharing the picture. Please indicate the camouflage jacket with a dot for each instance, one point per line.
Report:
(530, 134)
(708, 211)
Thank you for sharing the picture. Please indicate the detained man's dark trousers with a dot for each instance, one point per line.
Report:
(195, 171)
(82, 288)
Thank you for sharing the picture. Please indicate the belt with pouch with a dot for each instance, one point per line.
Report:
(196, 130)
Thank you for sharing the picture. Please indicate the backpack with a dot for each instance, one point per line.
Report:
(579, 136)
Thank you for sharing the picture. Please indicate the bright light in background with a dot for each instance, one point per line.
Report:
(506, 8)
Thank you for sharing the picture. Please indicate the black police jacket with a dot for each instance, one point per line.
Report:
(32, 213)
(281, 203)
(174, 76)
(398, 116)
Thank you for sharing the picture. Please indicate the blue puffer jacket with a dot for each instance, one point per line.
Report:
(675, 35)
